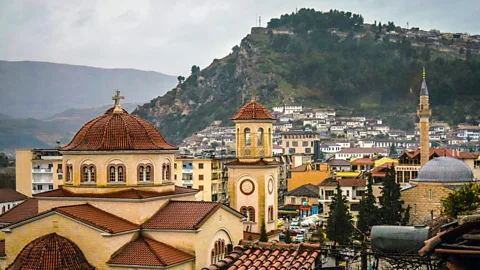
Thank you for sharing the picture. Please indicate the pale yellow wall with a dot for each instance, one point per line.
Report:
(199, 243)
(136, 212)
(23, 171)
(130, 160)
(242, 150)
(96, 248)
(300, 149)
(260, 198)
(3, 264)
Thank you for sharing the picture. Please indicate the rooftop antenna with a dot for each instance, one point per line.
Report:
(407, 25)
(259, 21)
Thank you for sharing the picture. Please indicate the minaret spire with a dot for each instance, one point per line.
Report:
(424, 89)
(424, 114)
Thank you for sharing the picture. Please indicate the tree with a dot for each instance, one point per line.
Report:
(214, 145)
(461, 51)
(3, 160)
(288, 237)
(195, 69)
(180, 79)
(340, 228)
(462, 201)
(368, 214)
(393, 150)
(318, 235)
(390, 26)
(379, 27)
(468, 55)
(235, 49)
(391, 205)
(263, 232)
(406, 216)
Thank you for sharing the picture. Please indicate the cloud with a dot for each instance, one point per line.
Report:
(171, 36)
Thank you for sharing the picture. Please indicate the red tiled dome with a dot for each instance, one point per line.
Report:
(50, 251)
(118, 131)
(253, 111)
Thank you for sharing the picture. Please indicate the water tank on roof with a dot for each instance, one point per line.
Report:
(399, 239)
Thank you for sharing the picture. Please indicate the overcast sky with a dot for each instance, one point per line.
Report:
(170, 36)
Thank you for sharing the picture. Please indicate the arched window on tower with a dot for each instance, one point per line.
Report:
(247, 138)
(260, 137)
(244, 212)
(219, 250)
(269, 136)
(69, 173)
(148, 171)
(251, 214)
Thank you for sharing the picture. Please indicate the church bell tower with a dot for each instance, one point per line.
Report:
(424, 112)
(253, 177)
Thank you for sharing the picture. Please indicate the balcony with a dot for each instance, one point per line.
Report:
(41, 170)
(187, 182)
(187, 170)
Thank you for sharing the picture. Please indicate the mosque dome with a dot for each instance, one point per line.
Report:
(118, 130)
(51, 251)
(445, 170)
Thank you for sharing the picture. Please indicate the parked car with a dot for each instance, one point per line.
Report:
(295, 223)
(299, 238)
(307, 223)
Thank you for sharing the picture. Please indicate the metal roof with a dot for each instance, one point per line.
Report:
(445, 169)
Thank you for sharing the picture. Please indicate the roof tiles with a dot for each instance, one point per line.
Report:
(124, 194)
(10, 195)
(148, 252)
(188, 215)
(28, 208)
(118, 131)
(253, 111)
(270, 256)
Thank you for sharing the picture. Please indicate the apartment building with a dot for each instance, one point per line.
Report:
(353, 189)
(208, 175)
(299, 141)
(38, 170)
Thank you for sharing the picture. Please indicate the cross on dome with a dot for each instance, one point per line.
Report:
(117, 99)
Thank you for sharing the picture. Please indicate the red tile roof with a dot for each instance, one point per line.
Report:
(249, 236)
(270, 256)
(442, 152)
(260, 162)
(10, 195)
(124, 194)
(28, 208)
(329, 182)
(97, 218)
(148, 252)
(118, 131)
(253, 111)
(2, 248)
(51, 251)
(188, 215)
(367, 161)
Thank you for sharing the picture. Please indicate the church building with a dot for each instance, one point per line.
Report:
(118, 207)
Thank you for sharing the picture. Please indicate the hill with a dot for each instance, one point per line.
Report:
(320, 59)
(38, 89)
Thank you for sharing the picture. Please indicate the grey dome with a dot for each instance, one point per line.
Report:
(444, 169)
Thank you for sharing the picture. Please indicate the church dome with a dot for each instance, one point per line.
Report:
(118, 130)
(253, 111)
(51, 251)
(444, 169)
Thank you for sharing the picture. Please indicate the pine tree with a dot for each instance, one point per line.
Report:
(339, 227)
(393, 150)
(391, 205)
(288, 237)
(406, 216)
(368, 214)
(263, 232)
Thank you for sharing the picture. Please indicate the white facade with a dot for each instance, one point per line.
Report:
(5, 206)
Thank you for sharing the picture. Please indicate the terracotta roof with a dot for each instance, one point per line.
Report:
(26, 209)
(182, 215)
(10, 195)
(307, 190)
(442, 152)
(97, 218)
(253, 111)
(148, 252)
(270, 256)
(253, 236)
(343, 183)
(50, 251)
(91, 216)
(339, 162)
(124, 194)
(2, 248)
(118, 131)
(260, 162)
(367, 161)
(361, 150)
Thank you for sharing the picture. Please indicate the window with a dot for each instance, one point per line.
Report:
(260, 137)
(348, 193)
(430, 194)
(112, 175)
(219, 250)
(50, 187)
(355, 207)
(270, 213)
(293, 200)
(69, 173)
(305, 144)
(415, 209)
(175, 177)
(294, 144)
(148, 171)
(200, 165)
(121, 174)
(92, 174)
(85, 174)
(60, 177)
(200, 177)
(308, 150)
(200, 187)
(60, 168)
(166, 173)
(40, 187)
(141, 173)
(3, 209)
(287, 144)
(247, 137)
(251, 214)
(328, 194)
(175, 166)
(304, 200)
